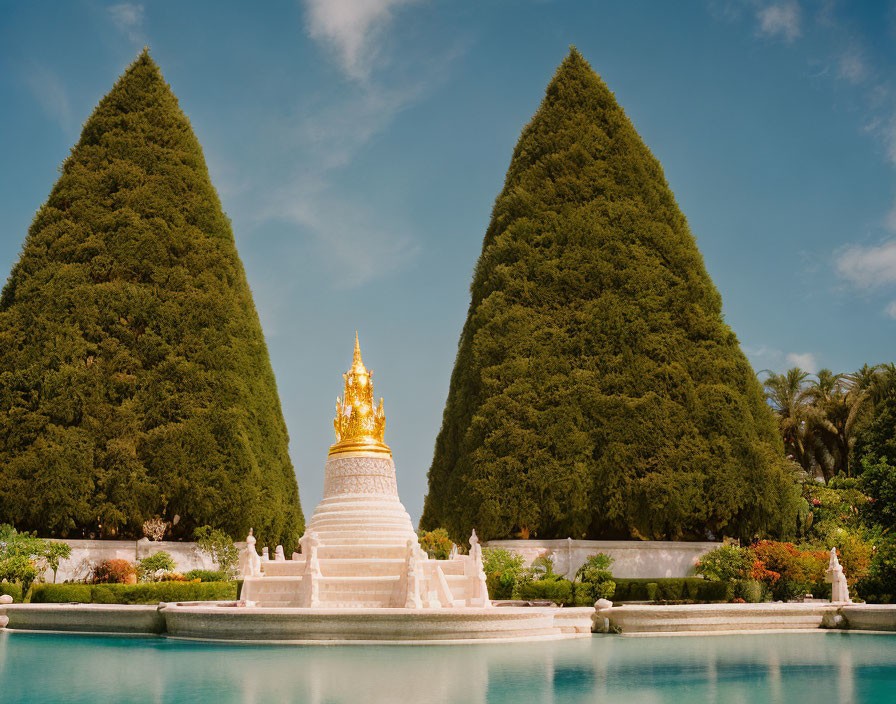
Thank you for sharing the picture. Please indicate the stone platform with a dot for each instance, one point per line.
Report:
(703, 619)
(228, 621)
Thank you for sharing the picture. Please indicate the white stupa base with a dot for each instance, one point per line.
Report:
(360, 551)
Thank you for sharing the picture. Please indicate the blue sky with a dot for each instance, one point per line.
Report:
(358, 146)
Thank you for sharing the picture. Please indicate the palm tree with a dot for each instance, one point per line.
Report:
(838, 401)
(884, 382)
(788, 395)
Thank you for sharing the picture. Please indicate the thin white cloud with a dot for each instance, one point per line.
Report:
(128, 19)
(851, 66)
(773, 359)
(47, 88)
(325, 138)
(353, 28)
(780, 20)
(804, 360)
(868, 267)
(890, 310)
(355, 242)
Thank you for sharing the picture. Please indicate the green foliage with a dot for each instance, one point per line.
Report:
(504, 573)
(594, 580)
(596, 569)
(61, 593)
(134, 376)
(114, 572)
(436, 543)
(751, 591)
(219, 546)
(542, 567)
(835, 510)
(207, 576)
(22, 555)
(152, 593)
(597, 390)
(13, 589)
(673, 589)
(148, 568)
(586, 593)
(725, 563)
(879, 586)
(55, 553)
(877, 437)
(878, 480)
(558, 590)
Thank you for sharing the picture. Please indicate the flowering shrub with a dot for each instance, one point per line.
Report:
(835, 510)
(787, 570)
(114, 572)
(725, 563)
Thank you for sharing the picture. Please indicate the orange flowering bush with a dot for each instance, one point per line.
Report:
(789, 571)
(114, 572)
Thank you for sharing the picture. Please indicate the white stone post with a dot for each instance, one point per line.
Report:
(311, 576)
(413, 600)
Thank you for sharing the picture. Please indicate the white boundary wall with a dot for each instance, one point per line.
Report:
(631, 558)
(86, 553)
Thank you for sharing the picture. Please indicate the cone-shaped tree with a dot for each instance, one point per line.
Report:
(597, 389)
(134, 375)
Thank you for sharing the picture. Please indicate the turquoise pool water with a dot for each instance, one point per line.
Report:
(791, 668)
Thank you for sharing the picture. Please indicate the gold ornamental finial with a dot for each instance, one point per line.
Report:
(359, 426)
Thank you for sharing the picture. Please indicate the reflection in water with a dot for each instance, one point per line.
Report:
(791, 668)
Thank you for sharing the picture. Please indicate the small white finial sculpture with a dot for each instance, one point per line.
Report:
(278, 554)
(453, 552)
(834, 575)
(251, 564)
(265, 555)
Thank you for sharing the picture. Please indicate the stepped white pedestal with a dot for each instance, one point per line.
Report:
(360, 551)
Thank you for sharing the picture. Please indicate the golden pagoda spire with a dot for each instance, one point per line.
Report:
(358, 424)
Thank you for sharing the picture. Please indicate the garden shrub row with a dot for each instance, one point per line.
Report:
(673, 589)
(151, 593)
(562, 591)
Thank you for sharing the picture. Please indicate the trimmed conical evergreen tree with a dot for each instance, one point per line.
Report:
(134, 376)
(597, 390)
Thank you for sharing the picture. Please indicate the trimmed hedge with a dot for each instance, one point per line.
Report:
(134, 593)
(672, 589)
(556, 590)
(14, 589)
(61, 593)
(206, 575)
